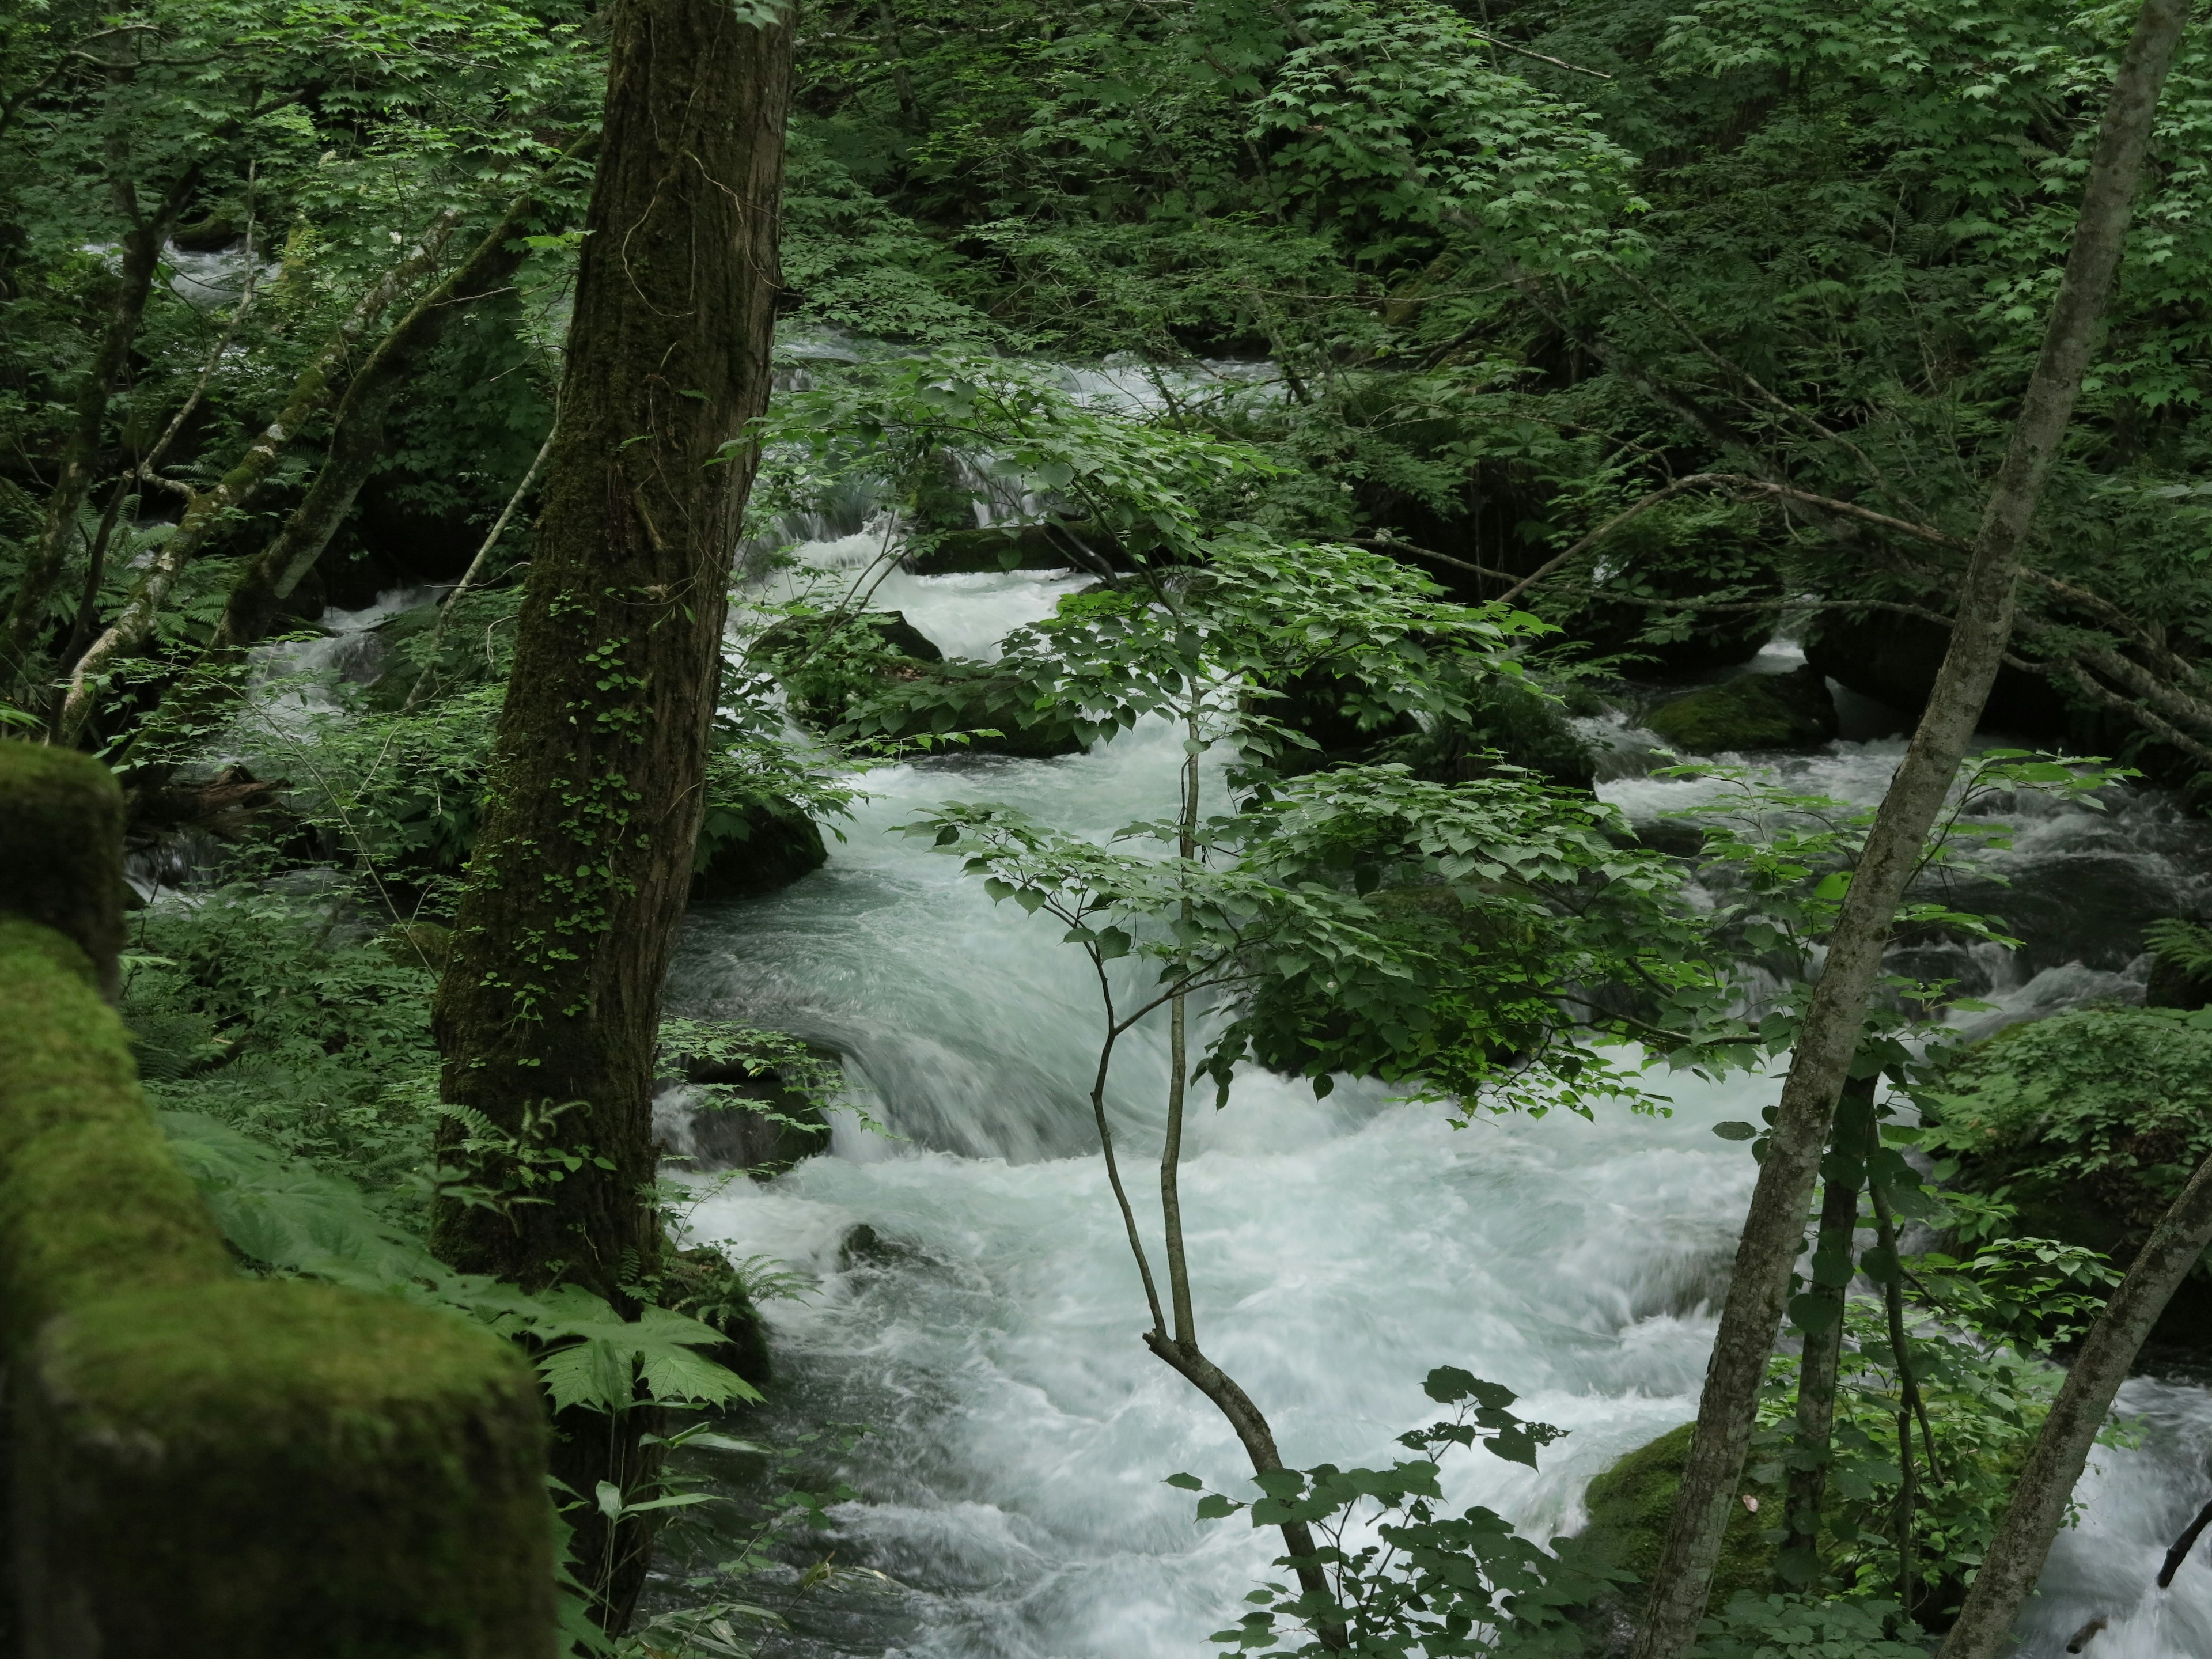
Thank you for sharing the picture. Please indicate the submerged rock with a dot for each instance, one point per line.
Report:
(1751, 711)
(1084, 544)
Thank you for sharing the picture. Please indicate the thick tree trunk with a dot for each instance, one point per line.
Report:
(1773, 1232)
(2015, 1556)
(547, 1013)
(141, 259)
(1842, 1175)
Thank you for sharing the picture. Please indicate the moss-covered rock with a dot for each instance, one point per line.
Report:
(61, 848)
(749, 1117)
(244, 1469)
(827, 662)
(206, 1465)
(1751, 711)
(746, 850)
(90, 1201)
(1630, 1504)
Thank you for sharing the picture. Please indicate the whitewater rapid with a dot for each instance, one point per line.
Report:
(1011, 1503)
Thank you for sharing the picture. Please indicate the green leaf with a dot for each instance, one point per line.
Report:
(1734, 1130)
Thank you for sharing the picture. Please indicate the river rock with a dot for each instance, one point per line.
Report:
(1750, 711)
(1084, 544)
(745, 851)
(1629, 1506)
(736, 1116)
(1893, 659)
(827, 662)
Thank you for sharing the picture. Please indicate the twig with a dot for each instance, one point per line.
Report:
(1556, 62)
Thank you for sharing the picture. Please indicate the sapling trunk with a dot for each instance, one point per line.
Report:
(1844, 1175)
(1774, 1231)
(1908, 1399)
(2015, 1556)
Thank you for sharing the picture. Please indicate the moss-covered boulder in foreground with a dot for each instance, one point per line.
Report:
(202, 1466)
(1751, 711)
(1629, 1505)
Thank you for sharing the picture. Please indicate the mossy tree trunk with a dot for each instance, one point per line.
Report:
(1774, 1230)
(547, 1012)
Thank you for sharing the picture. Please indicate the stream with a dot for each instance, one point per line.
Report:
(986, 1328)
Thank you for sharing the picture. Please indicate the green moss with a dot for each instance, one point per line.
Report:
(1752, 711)
(61, 848)
(90, 1201)
(1629, 1506)
(362, 1478)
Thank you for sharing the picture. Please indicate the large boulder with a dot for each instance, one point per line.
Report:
(1750, 711)
(739, 1115)
(754, 847)
(1892, 659)
(826, 662)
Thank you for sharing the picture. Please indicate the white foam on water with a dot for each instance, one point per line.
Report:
(1011, 1484)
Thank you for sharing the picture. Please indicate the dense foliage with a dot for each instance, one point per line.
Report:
(1456, 359)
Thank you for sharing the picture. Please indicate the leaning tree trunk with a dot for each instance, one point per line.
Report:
(208, 512)
(2015, 1559)
(141, 257)
(1773, 1232)
(547, 1012)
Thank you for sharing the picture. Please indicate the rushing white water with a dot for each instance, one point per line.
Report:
(1012, 1486)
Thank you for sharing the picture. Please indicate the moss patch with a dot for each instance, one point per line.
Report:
(362, 1478)
(61, 848)
(1752, 711)
(1629, 1506)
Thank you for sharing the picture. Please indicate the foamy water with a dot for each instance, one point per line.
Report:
(1012, 1485)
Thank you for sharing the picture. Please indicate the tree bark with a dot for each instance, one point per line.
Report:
(207, 511)
(1773, 1232)
(142, 258)
(1843, 1174)
(357, 433)
(547, 1013)
(2016, 1555)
